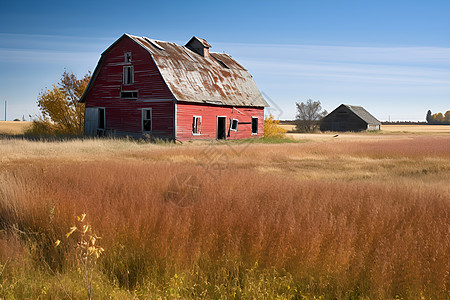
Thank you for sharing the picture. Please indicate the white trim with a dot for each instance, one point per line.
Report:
(238, 109)
(200, 127)
(257, 126)
(231, 125)
(143, 110)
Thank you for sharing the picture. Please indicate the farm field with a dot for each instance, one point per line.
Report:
(13, 128)
(360, 217)
(409, 129)
(427, 129)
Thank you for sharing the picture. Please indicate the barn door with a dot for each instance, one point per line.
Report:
(94, 120)
(90, 120)
(335, 126)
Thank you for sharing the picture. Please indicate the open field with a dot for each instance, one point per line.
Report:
(364, 217)
(13, 128)
(411, 129)
(444, 129)
(17, 128)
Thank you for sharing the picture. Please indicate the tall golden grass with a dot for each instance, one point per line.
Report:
(277, 210)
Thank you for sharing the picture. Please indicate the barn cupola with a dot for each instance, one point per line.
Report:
(199, 46)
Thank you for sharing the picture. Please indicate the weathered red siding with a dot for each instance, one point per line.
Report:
(124, 115)
(209, 113)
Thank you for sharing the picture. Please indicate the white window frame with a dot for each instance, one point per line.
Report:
(128, 80)
(127, 57)
(143, 118)
(231, 125)
(257, 125)
(199, 128)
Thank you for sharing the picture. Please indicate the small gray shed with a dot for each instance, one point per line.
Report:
(349, 118)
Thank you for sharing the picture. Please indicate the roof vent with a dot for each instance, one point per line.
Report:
(154, 43)
(199, 46)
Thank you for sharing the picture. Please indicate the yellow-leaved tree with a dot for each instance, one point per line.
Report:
(271, 128)
(61, 113)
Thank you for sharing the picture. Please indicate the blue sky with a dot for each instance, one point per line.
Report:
(392, 57)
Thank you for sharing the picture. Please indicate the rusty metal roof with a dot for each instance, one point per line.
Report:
(216, 78)
(202, 41)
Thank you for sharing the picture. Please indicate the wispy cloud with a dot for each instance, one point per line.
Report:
(379, 65)
(375, 74)
(402, 80)
(354, 54)
(36, 49)
(39, 41)
(46, 57)
(407, 75)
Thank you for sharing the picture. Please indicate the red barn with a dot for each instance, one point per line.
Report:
(143, 86)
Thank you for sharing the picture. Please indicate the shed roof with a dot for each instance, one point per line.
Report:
(363, 114)
(215, 79)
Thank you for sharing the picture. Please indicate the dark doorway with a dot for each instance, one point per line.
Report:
(221, 128)
(101, 118)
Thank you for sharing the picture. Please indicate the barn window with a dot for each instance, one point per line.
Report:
(234, 125)
(127, 57)
(101, 118)
(254, 125)
(128, 75)
(129, 94)
(147, 120)
(196, 125)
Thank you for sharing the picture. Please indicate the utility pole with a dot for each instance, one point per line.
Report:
(5, 110)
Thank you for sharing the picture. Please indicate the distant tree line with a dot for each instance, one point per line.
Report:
(438, 118)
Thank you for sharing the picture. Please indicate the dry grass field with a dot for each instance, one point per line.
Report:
(410, 129)
(355, 218)
(13, 128)
(427, 129)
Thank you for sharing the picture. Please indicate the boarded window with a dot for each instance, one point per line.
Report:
(196, 124)
(129, 94)
(254, 125)
(128, 75)
(147, 120)
(101, 118)
(234, 125)
(127, 57)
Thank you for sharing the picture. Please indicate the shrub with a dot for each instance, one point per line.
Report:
(272, 128)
